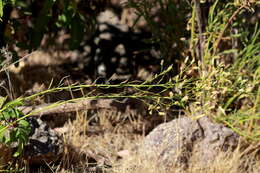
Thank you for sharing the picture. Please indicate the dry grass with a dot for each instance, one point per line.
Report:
(96, 142)
(96, 145)
(233, 162)
(224, 162)
(135, 163)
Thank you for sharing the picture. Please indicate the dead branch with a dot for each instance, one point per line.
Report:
(87, 104)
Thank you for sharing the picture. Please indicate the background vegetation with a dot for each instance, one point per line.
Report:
(209, 53)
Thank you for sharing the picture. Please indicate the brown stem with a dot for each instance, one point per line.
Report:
(226, 26)
(200, 27)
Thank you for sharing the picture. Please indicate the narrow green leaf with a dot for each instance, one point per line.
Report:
(2, 101)
(16, 102)
(19, 150)
(231, 100)
(1, 9)
(2, 133)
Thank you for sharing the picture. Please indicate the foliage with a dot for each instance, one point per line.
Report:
(167, 21)
(222, 80)
(24, 23)
(218, 63)
(14, 131)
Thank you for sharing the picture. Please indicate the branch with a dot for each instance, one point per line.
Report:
(56, 108)
(226, 26)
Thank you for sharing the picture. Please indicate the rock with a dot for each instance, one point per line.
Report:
(123, 153)
(45, 145)
(173, 144)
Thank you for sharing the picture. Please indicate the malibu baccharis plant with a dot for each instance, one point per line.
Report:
(14, 130)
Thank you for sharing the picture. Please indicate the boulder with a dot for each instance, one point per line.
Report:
(173, 144)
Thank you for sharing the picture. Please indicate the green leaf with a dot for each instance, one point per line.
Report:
(6, 115)
(23, 136)
(7, 140)
(62, 18)
(24, 123)
(19, 150)
(77, 32)
(18, 113)
(16, 102)
(3, 139)
(16, 154)
(2, 133)
(13, 134)
(17, 134)
(1, 127)
(2, 101)
(1, 9)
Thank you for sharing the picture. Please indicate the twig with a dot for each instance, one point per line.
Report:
(200, 26)
(226, 26)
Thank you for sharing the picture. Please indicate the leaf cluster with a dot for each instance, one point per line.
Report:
(26, 24)
(14, 132)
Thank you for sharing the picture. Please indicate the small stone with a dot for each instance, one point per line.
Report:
(123, 153)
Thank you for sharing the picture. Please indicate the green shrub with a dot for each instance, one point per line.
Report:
(14, 131)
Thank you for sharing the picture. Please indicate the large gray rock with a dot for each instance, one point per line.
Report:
(173, 144)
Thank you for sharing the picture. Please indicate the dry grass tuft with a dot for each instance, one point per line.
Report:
(234, 162)
(94, 143)
(99, 146)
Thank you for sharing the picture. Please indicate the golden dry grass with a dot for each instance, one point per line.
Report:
(224, 162)
(114, 149)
